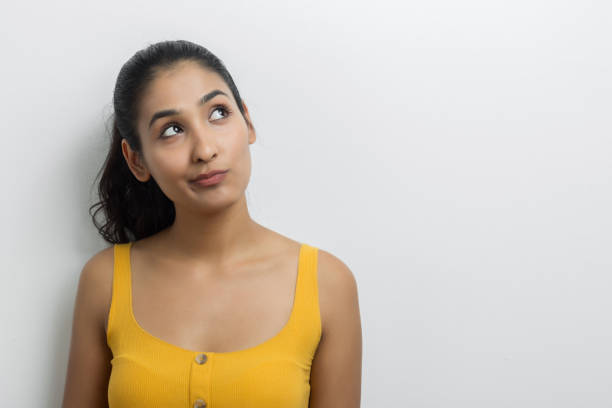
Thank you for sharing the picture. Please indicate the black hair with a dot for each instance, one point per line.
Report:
(135, 209)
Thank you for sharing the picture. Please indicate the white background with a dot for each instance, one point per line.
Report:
(456, 155)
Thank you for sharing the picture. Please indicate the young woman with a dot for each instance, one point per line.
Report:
(195, 304)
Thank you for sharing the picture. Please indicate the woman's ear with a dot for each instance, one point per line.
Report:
(252, 133)
(135, 162)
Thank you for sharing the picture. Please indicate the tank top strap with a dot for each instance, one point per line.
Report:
(120, 300)
(307, 294)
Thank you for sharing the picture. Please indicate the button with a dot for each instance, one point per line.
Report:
(201, 358)
(199, 403)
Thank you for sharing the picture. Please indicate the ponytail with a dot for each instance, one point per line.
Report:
(132, 209)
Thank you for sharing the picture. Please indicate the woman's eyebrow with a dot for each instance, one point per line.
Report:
(168, 112)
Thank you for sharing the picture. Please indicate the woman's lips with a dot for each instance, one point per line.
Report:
(210, 181)
(210, 174)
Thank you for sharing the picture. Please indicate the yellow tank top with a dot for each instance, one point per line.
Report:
(149, 372)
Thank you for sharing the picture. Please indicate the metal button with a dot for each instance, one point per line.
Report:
(201, 358)
(199, 403)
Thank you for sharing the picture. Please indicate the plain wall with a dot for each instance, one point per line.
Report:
(455, 155)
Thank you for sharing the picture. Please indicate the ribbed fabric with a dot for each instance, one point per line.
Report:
(150, 372)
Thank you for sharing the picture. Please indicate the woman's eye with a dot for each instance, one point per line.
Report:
(221, 108)
(173, 127)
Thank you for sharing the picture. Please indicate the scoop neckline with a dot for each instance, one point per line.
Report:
(275, 337)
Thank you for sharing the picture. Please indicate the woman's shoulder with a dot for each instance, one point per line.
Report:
(337, 287)
(99, 266)
(96, 282)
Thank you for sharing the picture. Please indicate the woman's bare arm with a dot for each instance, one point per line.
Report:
(89, 359)
(335, 376)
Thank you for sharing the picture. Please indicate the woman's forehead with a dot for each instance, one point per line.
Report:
(180, 85)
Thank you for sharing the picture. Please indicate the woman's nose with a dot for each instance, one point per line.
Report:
(204, 144)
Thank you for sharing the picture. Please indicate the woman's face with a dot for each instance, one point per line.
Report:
(198, 138)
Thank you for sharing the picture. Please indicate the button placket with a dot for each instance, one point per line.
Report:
(200, 380)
